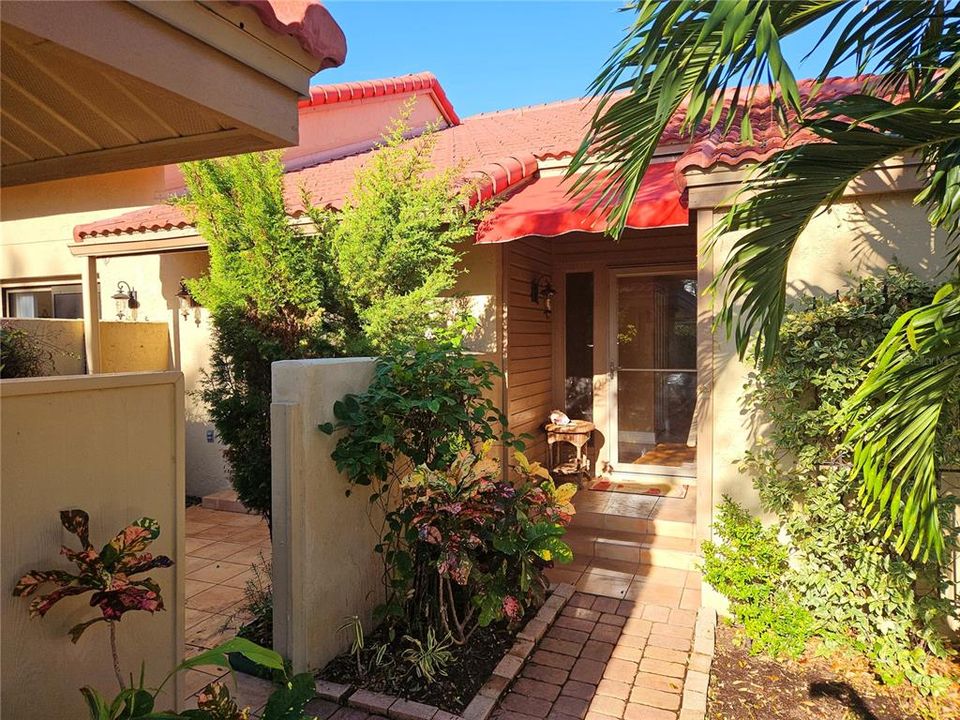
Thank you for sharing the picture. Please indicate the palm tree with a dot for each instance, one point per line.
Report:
(706, 59)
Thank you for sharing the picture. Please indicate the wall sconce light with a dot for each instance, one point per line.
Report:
(188, 303)
(126, 299)
(542, 289)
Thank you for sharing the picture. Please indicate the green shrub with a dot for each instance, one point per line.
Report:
(348, 284)
(23, 354)
(749, 567)
(859, 591)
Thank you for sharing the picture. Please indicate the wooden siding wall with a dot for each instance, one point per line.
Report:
(527, 343)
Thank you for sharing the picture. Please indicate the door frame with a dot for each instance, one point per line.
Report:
(602, 266)
(629, 470)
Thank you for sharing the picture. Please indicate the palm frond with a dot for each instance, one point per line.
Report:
(893, 421)
(789, 189)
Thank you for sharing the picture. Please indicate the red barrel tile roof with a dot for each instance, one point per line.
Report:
(499, 149)
(306, 21)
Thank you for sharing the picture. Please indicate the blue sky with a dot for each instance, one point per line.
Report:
(493, 55)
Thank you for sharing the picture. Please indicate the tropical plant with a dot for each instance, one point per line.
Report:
(108, 574)
(469, 547)
(429, 657)
(704, 59)
(286, 702)
(860, 592)
(397, 239)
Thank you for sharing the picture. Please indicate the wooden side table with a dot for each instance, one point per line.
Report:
(576, 433)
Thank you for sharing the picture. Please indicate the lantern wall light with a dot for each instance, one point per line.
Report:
(541, 289)
(188, 303)
(126, 299)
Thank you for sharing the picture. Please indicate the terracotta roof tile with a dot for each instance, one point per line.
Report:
(499, 150)
(306, 21)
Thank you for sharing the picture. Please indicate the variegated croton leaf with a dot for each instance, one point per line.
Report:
(107, 574)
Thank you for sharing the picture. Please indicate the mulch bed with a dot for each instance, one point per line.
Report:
(472, 665)
(745, 687)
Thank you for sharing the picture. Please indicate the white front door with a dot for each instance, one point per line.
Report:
(653, 373)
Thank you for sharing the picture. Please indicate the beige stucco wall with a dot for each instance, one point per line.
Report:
(37, 221)
(324, 566)
(157, 281)
(859, 236)
(134, 347)
(63, 339)
(131, 466)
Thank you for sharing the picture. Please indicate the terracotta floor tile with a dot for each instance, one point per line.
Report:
(193, 544)
(218, 532)
(219, 550)
(654, 594)
(191, 617)
(210, 632)
(193, 563)
(241, 580)
(217, 599)
(250, 555)
(599, 584)
(192, 587)
(218, 571)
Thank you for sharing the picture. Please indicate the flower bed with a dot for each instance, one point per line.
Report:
(472, 685)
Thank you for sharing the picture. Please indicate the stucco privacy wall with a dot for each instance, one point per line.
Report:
(324, 566)
(62, 339)
(132, 466)
(859, 236)
(157, 278)
(134, 347)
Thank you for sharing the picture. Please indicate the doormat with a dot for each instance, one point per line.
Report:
(661, 489)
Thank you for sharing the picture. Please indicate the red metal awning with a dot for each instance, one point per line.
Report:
(544, 208)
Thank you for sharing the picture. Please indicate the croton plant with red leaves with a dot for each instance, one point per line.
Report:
(108, 574)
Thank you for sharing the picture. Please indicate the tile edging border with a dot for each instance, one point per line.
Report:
(489, 694)
(694, 702)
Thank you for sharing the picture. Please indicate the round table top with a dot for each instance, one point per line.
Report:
(574, 427)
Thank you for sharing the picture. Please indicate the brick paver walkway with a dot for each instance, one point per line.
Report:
(606, 658)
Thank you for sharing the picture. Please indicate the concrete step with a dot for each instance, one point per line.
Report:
(632, 547)
(225, 500)
(631, 524)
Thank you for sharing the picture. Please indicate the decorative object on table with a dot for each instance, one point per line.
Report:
(573, 432)
(656, 489)
(559, 417)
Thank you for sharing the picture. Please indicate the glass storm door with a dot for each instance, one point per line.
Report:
(653, 373)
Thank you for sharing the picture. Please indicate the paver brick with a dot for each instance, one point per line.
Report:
(637, 626)
(622, 670)
(411, 710)
(479, 708)
(320, 708)
(565, 621)
(683, 618)
(561, 633)
(596, 650)
(581, 600)
(532, 706)
(612, 619)
(660, 653)
(700, 662)
(614, 688)
(606, 633)
(564, 647)
(494, 686)
(696, 681)
(662, 667)
(630, 608)
(648, 681)
(572, 706)
(508, 666)
(586, 670)
(533, 630)
(578, 689)
(327, 690)
(670, 630)
(645, 712)
(657, 699)
(552, 659)
(371, 701)
(670, 643)
(581, 613)
(606, 604)
(694, 700)
(634, 641)
(607, 705)
(656, 613)
(556, 676)
(536, 689)
(624, 652)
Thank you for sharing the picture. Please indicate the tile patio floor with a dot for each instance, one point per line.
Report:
(605, 658)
